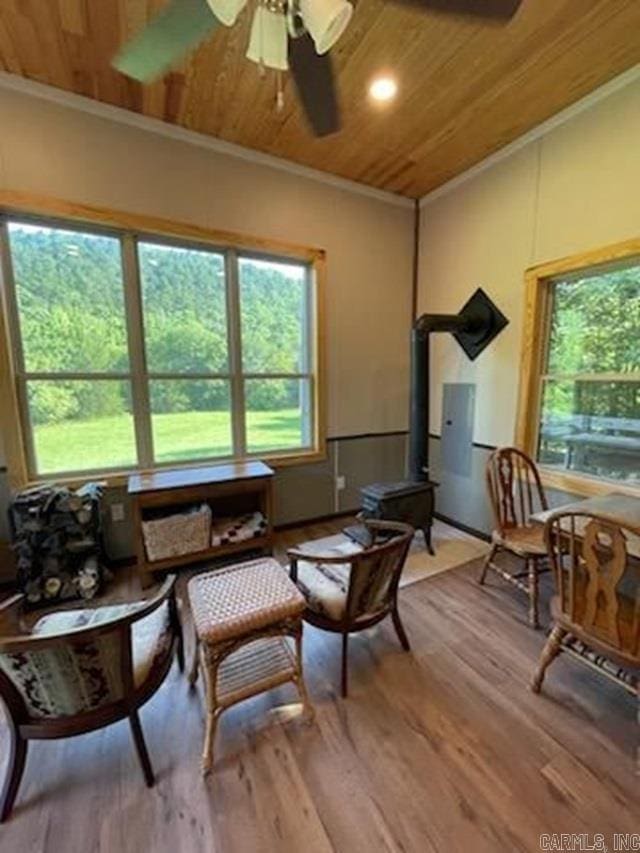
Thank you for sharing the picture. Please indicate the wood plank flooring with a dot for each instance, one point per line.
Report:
(442, 749)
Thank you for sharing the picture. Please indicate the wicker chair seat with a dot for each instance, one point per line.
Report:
(241, 599)
(150, 637)
(524, 541)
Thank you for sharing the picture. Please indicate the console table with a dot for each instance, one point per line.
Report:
(238, 487)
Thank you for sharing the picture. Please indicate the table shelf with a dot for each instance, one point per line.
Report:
(225, 488)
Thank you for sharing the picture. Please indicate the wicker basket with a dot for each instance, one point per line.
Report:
(174, 535)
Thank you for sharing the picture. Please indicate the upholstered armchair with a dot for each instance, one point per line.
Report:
(349, 593)
(79, 670)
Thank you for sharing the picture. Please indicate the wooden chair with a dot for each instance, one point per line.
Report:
(515, 492)
(597, 598)
(345, 594)
(80, 670)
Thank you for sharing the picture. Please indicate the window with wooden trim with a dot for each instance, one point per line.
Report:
(585, 387)
(133, 350)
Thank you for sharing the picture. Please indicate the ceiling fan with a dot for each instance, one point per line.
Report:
(293, 35)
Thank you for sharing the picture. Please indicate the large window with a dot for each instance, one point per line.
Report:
(136, 351)
(588, 395)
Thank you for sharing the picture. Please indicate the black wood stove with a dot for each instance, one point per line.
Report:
(412, 501)
(408, 501)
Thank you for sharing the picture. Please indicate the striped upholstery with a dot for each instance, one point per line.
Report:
(326, 585)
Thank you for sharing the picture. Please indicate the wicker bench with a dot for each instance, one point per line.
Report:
(244, 617)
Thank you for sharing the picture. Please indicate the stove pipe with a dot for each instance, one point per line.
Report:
(420, 366)
(474, 327)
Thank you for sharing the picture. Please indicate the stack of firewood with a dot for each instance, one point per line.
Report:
(57, 540)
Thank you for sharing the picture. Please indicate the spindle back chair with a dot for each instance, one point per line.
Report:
(516, 493)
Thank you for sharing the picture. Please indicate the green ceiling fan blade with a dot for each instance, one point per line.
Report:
(170, 35)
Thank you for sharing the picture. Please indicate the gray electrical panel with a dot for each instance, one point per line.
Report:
(458, 408)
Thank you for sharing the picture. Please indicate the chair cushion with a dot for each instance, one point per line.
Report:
(325, 587)
(242, 599)
(523, 541)
(150, 636)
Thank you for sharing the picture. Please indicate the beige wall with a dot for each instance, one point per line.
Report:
(575, 189)
(55, 150)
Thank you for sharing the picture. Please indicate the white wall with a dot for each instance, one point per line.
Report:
(52, 149)
(575, 189)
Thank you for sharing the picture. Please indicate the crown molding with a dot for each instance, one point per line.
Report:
(71, 100)
(623, 80)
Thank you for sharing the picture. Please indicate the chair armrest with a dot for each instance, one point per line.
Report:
(294, 555)
(166, 592)
(334, 559)
(11, 603)
(89, 632)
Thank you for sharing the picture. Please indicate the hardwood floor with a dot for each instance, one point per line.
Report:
(443, 749)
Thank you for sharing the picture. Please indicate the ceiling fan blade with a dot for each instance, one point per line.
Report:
(491, 9)
(182, 25)
(315, 83)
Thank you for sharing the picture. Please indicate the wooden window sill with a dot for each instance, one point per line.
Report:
(583, 484)
(114, 479)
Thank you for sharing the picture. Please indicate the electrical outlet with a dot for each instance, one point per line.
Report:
(117, 512)
(341, 482)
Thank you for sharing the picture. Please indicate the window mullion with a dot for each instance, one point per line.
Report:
(613, 376)
(135, 338)
(234, 336)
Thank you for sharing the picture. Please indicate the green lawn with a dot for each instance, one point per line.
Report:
(109, 442)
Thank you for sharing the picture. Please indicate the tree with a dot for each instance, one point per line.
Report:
(72, 319)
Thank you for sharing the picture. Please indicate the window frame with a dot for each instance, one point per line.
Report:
(539, 283)
(130, 230)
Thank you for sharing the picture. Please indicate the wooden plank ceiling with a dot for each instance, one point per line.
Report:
(465, 88)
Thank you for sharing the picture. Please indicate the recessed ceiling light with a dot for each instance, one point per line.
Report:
(383, 88)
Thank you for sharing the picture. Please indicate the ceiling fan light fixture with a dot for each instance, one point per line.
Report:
(268, 43)
(226, 11)
(325, 20)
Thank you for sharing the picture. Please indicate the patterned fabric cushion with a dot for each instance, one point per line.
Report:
(150, 636)
(238, 528)
(151, 640)
(65, 621)
(67, 678)
(325, 587)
